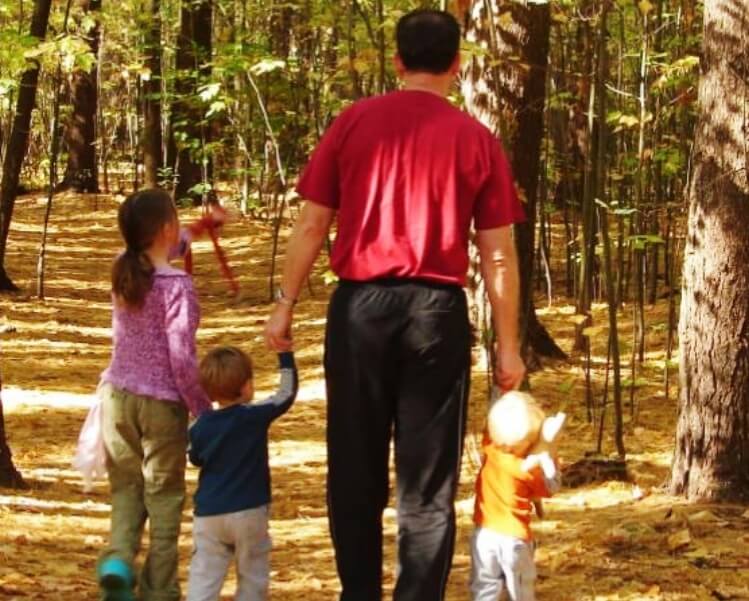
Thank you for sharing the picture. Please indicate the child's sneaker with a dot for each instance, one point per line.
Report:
(116, 580)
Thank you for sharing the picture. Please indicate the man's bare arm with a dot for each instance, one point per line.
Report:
(499, 268)
(302, 250)
(304, 246)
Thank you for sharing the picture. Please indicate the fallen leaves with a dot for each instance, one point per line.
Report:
(726, 592)
(615, 536)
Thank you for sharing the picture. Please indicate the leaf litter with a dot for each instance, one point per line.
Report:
(605, 538)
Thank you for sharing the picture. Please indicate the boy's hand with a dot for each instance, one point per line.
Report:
(531, 462)
(278, 329)
(537, 459)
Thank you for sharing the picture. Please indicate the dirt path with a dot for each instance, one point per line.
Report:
(600, 540)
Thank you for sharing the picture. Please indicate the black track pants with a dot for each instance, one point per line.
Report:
(397, 362)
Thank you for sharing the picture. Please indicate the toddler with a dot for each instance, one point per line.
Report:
(230, 445)
(511, 477)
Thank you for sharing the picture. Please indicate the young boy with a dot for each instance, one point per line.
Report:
(509, 480)
(230, 445)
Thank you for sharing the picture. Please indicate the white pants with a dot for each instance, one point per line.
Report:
(218, 539)
(498, 560)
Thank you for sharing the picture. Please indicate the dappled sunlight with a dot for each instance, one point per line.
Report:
(18, 400)
(602, 540)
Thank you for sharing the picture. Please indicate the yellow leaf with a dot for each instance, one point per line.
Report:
(679, 540)
(727, 591)
(593, 331)
(618, 535)
(698, 553)
(703, 516)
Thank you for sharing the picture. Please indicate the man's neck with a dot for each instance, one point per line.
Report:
(428, 82)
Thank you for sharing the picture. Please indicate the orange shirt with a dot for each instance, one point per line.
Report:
(504, 492)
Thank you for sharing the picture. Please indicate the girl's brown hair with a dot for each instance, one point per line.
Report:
(140, 218)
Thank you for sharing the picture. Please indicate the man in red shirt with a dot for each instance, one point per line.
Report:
(406, 174)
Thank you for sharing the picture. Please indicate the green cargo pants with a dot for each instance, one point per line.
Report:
(146, 443)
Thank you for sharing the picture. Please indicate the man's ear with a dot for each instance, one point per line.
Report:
(455, 67)
(400, 68)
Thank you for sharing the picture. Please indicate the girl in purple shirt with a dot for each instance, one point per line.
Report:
(147, 390)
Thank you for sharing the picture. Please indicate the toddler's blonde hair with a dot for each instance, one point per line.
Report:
(515, 422)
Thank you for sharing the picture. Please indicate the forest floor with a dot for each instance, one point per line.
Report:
(602, 539)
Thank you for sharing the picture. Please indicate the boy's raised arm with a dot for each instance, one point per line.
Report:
(279, 403)
(549, 478)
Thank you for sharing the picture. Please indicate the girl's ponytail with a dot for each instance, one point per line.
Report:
(141, 217)
(132, 275)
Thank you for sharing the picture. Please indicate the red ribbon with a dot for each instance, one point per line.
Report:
(210, 223)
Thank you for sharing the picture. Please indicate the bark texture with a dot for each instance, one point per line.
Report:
(505, 88)
(152, 136)
(711, 460)
(81, 173)
(19, 139)
(10, 477)
(188, 125)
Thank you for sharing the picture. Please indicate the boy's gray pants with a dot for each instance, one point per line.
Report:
(498, 560)
(218, 539)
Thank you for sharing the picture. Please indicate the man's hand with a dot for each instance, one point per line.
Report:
(278, 329)
(509, 371)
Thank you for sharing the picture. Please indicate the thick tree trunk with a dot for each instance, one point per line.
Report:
(510, 100)
(152, 137)
(188, 121)
(81, 173)
(711, 460)
(9, 475)
(19, 138)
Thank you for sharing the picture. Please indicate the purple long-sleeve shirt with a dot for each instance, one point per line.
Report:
(154, 346)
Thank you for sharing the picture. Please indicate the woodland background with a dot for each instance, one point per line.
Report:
(626, 125)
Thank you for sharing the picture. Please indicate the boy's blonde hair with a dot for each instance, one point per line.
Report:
(224, 371)
(515, 422)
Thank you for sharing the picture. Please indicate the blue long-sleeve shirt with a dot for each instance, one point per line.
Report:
(231, 448)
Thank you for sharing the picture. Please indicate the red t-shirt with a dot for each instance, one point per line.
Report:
(407, 173)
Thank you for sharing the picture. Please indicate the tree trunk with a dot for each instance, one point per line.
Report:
(510, 101)
(188, 126)
(152, 138)
(19, 138)
(712, 438)
(9, 475)
(81, 173)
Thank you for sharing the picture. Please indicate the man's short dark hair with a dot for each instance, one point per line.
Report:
(428, 40)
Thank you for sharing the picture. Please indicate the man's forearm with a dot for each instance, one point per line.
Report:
(500, 272)
(303, 249)
(502, 286)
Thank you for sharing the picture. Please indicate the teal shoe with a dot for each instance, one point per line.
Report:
(118, 596)
(116, 580)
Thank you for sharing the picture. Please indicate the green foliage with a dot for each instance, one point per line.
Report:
(278, 73)
(642, 241)
(70, 51)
